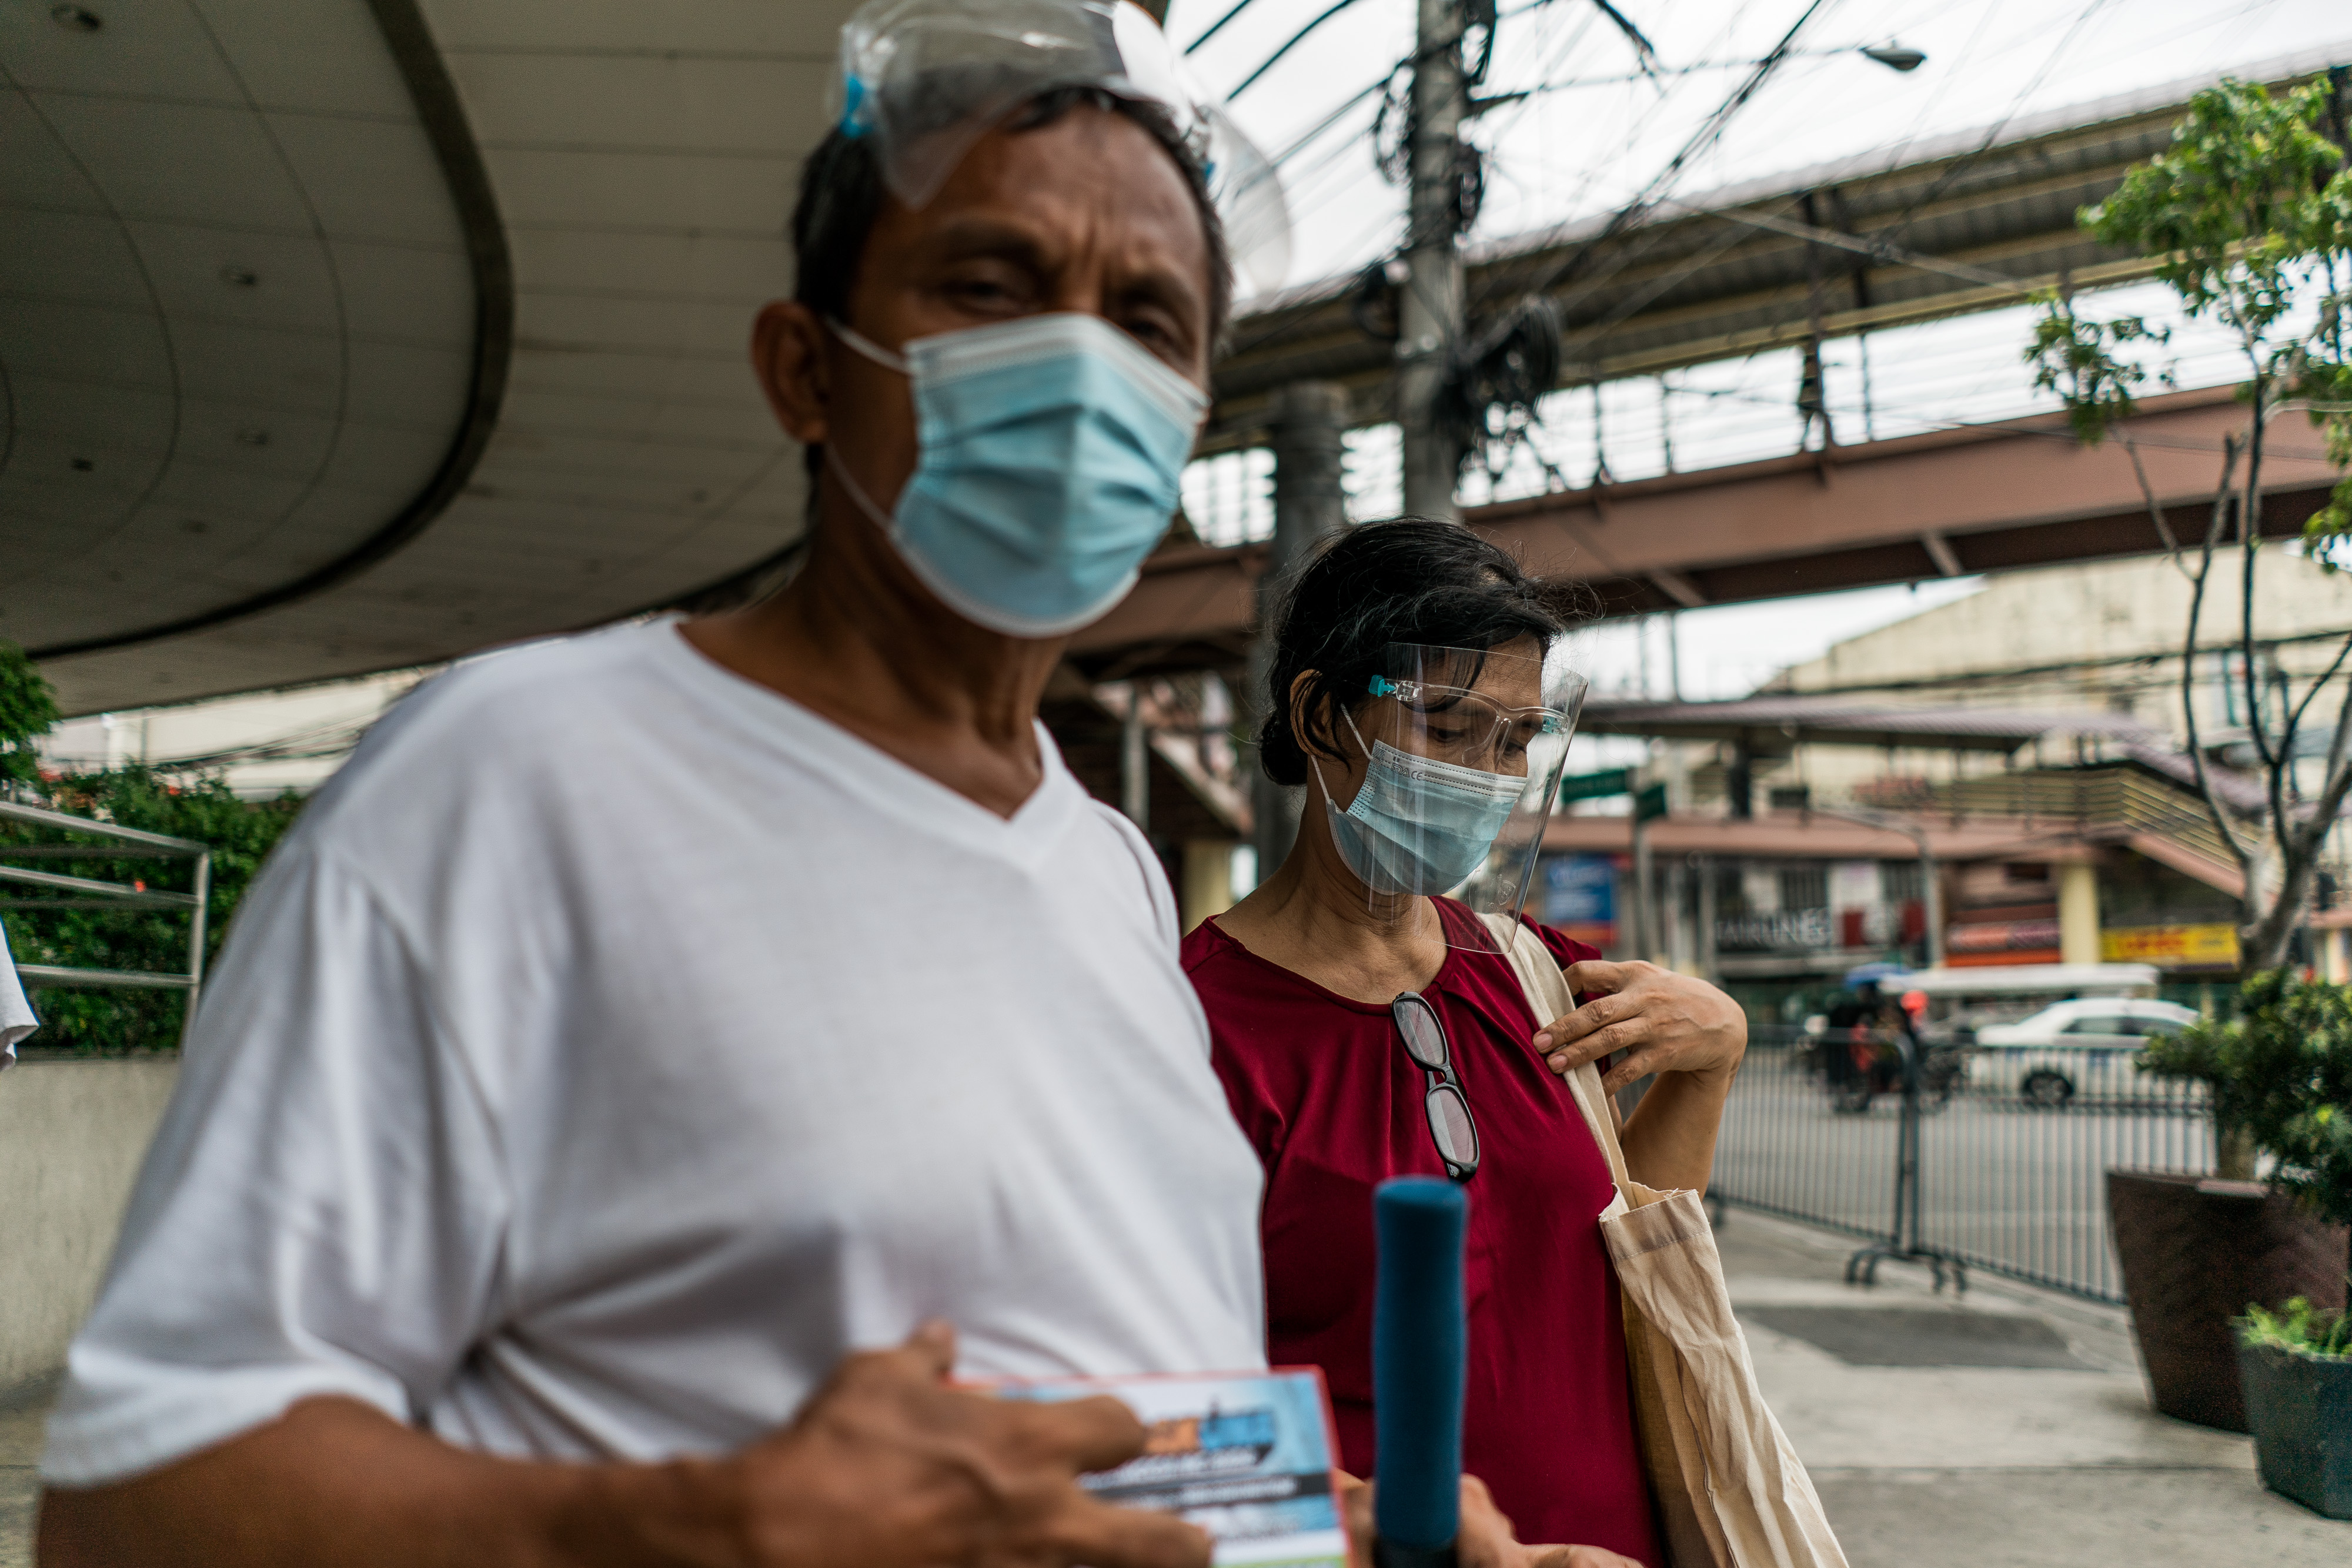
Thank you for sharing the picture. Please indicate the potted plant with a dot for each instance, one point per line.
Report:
(2297, 1370)
(2197, 1250)
(2294, 1094)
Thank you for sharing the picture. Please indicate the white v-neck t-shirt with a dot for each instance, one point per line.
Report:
(615, 1045)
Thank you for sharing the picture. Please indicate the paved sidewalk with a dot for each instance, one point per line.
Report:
(2055, 1463)
(2038, 1451)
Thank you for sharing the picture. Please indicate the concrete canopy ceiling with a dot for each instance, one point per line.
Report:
(339, 335)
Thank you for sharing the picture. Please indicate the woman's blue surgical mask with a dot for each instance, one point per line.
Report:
(1418, 825)
(1049, 451)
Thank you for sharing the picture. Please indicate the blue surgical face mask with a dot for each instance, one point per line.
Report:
(1418, 825)
(1049, 451)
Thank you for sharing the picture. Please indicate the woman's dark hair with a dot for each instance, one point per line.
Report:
(1411, 581)
(841, 195)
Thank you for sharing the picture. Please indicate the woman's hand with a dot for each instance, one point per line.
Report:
(1485, 1540)
(1668, 1022)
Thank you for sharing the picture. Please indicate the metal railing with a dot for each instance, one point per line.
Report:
(2006, 1182)
(65, 892)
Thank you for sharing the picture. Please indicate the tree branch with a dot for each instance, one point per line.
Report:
(2148, 493)
(2213, 808)
(2337, 778)
(2295, 717)
(2250, 532)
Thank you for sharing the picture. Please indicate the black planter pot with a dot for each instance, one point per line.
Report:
(2195, 1251)
(2301, 1407)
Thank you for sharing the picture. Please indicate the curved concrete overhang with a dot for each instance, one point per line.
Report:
(340, 335)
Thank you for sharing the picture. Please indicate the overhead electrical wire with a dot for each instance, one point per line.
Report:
(1239, 6)
(1944, 181)
(1709, 131)
(1287, 44)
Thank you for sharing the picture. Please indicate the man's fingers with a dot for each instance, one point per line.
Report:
(1355, 1499)
(1092, 1433)
(1101, 1536)
(933, 1343)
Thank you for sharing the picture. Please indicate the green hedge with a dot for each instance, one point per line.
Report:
(240, 833)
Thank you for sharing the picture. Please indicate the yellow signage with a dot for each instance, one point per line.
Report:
(2170, 946)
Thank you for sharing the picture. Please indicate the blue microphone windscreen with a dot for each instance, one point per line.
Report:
(1419, 1350)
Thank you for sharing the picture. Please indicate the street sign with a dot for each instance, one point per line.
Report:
(1650, 803)
(1594, 785)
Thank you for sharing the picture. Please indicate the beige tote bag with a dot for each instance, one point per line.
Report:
(1731, 1491)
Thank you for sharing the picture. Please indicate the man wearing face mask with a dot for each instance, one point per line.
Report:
(653, 1041)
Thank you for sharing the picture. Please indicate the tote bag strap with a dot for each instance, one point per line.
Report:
(1548, 994)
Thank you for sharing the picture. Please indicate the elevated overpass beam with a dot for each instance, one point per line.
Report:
(1944, 504)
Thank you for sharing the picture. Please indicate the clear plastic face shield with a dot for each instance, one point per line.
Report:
(926, 78)
(1456, 757)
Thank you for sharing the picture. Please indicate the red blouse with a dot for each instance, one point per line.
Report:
(1333, 1105)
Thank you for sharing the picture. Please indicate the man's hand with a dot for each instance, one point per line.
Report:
(1485, 1540)
(888, 1466)
(1669, 1022)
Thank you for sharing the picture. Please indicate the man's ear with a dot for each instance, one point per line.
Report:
(788, 355)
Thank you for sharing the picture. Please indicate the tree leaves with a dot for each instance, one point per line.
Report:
(241, 834)
(27, 712)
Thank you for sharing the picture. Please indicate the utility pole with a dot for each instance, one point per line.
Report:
(1135, 761)
(1429, 315)
(1305, 430)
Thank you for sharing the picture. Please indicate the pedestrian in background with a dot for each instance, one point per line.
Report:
(1367, 1025)
(17, 1020)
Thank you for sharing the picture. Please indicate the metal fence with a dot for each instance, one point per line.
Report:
(2010, 1184)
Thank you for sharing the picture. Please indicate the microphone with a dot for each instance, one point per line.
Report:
(1419, 1367)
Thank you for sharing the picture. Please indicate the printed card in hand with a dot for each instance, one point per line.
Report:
(1246, 1456)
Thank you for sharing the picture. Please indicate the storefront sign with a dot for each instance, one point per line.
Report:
(1595, 785)
(2002, 937)
(1580, 896)
(1785, 928)
(2171, 947)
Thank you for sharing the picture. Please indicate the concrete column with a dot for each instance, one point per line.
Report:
(1135, 761)
(1208, 881)
(2078, 913)
(1304, 429)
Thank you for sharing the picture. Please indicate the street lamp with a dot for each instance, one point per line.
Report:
(1931, 890)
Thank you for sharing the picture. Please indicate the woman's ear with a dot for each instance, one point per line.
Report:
(1311, 720)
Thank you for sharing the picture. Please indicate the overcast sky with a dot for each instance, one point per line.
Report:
(1581, 151)
(1584, 150)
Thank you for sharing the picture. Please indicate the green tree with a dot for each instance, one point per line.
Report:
(240, 834)
(2250, 216)
(28, 710)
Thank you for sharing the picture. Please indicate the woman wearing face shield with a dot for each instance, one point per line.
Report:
(1366, 1022)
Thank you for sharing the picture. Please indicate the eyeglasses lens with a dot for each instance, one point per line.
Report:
(1449, 1122)
(1424, 1042)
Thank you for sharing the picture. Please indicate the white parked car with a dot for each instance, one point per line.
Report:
(2089, 1046)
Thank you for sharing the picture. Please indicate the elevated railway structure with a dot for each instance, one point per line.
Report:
(1943, 504)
